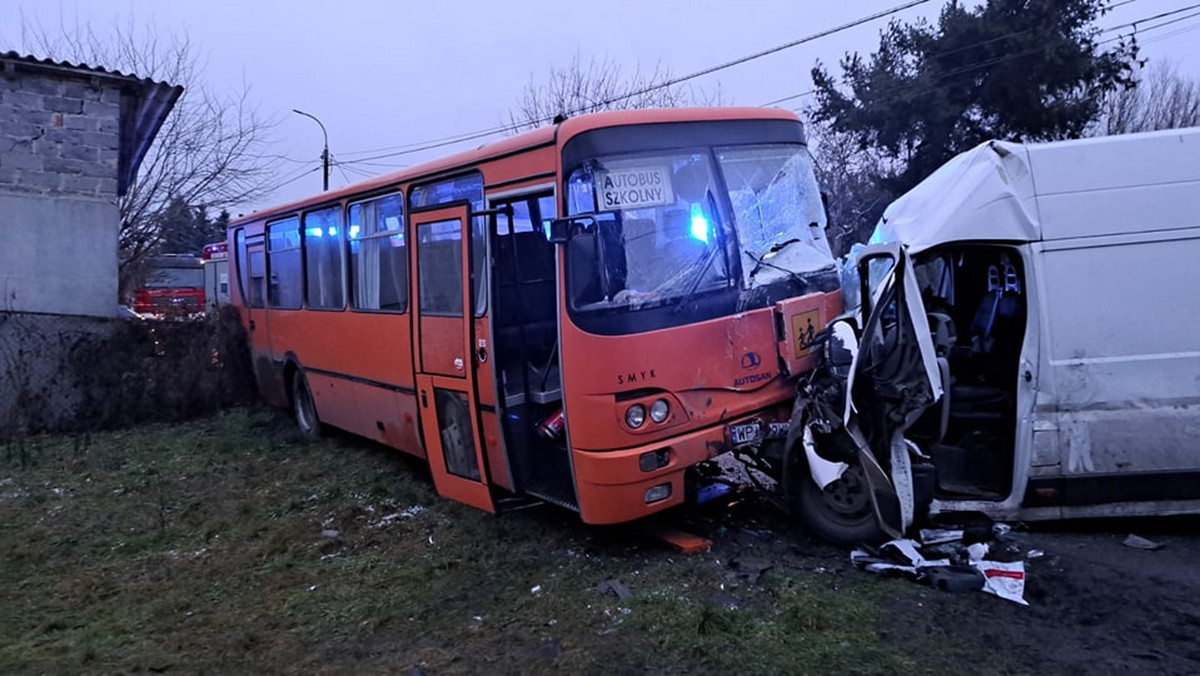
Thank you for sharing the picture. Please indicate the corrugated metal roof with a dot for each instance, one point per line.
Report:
(82, 68)
(145, 105)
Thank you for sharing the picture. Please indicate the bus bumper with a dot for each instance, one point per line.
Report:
(612, 486)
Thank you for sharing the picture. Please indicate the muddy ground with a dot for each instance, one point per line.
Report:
(228, 545)
(1095, 605)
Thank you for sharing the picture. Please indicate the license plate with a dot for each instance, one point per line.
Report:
(744, 434)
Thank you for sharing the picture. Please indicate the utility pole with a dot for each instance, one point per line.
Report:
(324, 152)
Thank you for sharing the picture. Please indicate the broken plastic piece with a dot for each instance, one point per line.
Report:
(1006, 580)
(614, 586)
(937, 536)
(712, 492)
(684, 542)
(1139, 542)
(955, 578)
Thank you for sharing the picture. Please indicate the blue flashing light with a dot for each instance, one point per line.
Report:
(354, 229)
(700, 227)
(332, 231)
(314, 232)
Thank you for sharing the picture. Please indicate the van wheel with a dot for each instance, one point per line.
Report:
(303, 408)
(842, 512)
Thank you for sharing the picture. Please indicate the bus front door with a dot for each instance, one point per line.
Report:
(445, 370)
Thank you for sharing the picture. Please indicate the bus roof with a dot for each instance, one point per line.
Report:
(530, 139)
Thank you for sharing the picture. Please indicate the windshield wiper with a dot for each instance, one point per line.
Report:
(694, 284)
(761, 262)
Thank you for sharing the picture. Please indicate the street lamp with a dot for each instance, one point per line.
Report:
(325, 152)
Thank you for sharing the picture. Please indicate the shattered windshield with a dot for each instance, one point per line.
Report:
(673, 226)
(777, 211)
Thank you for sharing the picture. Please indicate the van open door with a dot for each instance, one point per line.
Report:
(861, 479)
(894, 379)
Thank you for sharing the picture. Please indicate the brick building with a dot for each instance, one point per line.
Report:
(71, 140)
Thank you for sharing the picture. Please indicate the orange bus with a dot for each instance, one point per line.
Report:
(581, 314)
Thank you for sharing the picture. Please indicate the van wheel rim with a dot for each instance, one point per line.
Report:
(848, 494)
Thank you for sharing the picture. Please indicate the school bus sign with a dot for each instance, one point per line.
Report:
(634, 188)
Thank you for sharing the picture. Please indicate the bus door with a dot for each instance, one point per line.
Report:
(255, 288)
(445, 368)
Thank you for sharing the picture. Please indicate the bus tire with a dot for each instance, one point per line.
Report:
(304, 409)
(842, 512)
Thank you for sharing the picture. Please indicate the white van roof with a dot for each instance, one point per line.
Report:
(1002, 191)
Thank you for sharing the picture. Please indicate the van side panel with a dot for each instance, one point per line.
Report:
(1121, 351)
(1117, 184)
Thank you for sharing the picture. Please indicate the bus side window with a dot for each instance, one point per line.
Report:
(258, 279)
(378, 255)
(285, 277)
(243, 270)
(323, 245)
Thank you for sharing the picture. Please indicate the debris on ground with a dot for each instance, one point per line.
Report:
(953, 561)
(687, 543)
(751, 569)
(614, 586)
(1139, 542)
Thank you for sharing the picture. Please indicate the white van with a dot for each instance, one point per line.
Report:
(1062, 286)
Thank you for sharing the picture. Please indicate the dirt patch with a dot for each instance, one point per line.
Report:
(1095, 605)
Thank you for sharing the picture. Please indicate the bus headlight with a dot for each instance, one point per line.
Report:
(659, 410)
(635, 416)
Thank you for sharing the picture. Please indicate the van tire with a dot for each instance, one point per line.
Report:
(304, 409)
(842, 512)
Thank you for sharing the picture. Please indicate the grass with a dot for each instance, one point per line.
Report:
(228, 544)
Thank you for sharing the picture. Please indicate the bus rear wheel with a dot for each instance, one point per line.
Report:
(303, 408)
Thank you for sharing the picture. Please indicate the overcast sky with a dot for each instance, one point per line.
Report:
(386, 73)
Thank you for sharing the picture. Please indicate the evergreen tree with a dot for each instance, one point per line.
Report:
(1008, 69)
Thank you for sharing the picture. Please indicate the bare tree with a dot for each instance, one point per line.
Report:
(210, 151)
(852, 180)
(600, 84)
(1162, 99)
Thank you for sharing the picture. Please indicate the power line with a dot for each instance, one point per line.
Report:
(470, 136)
(297, 177)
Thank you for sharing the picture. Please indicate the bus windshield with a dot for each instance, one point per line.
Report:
(671, 226)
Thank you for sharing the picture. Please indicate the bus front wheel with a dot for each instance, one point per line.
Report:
(303, 408)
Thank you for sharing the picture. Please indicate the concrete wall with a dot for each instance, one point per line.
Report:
(59, 220)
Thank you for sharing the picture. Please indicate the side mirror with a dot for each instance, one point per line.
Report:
(560, 230)
(874, 263)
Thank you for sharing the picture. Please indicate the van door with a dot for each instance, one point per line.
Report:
(893, 379)
(445, 369)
